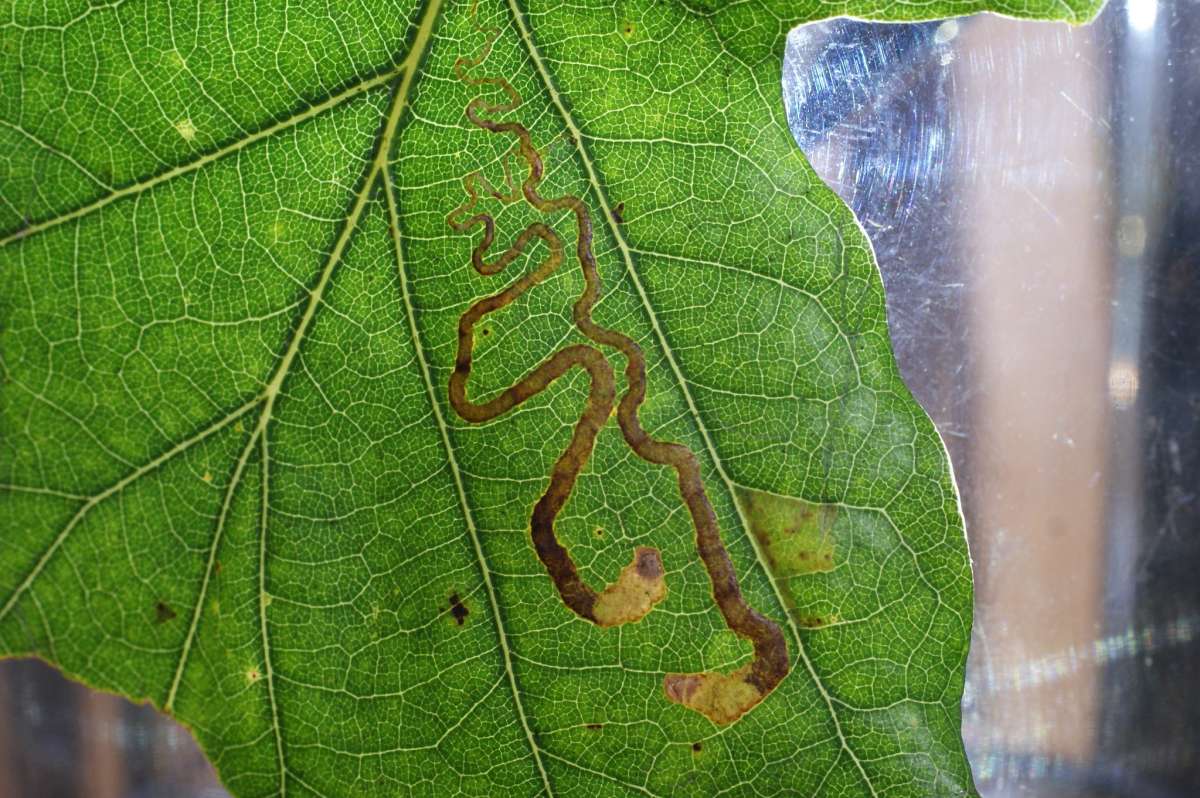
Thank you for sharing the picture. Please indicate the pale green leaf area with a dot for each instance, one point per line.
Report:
(231, 480)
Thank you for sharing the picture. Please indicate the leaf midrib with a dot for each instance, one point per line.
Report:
(406, 71)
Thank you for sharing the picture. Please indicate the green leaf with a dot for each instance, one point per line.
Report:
(233, 481)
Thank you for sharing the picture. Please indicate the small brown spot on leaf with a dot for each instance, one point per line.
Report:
(618, 213)
(595, 727)
(816, 621)
(649, 563)
(253, 675)
(697, 747)
(458, 610)
(638, 588)
(163, 613)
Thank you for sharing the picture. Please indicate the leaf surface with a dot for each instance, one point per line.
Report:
(233, 480)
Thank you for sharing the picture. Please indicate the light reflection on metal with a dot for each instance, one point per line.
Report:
(852, 107)
(1123, 383)
(878, 110)
(1140, 92)
(1142, 14)
(1131, 642)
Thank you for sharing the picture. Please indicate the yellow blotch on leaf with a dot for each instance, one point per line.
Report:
(638, 588)
(722, 698)
(797, 539)
(796, 536)
(185, 128)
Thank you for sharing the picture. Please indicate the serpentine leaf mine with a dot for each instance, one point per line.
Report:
(723, 698)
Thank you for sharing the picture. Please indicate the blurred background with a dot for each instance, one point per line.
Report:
(1033, 195)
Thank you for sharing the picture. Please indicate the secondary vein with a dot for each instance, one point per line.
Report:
(627, 256)
(468, 516)
(146, 183)
(113, 489)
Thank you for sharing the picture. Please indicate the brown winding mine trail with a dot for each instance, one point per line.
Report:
(721, 697)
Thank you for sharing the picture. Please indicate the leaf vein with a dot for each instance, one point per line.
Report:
(210, 566)
(144, 184)
(473, 531)
(627, 256)
(113, 489)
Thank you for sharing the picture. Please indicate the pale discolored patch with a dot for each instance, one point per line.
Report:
(639, 587)
(719, 697)
(186, 129)
(795, 535)
(811, 621)
(797, 539)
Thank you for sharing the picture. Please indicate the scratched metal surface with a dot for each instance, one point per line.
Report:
(1033, 195)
